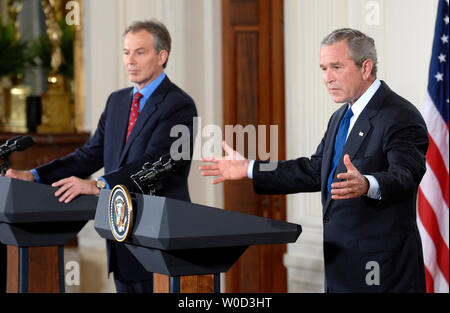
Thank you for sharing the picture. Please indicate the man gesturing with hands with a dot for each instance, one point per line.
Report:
(367, 167)
(234, 167)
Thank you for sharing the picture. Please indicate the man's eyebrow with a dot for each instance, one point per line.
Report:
(142, 48)
(330, 64)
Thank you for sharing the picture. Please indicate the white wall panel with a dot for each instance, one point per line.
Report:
(403, 31)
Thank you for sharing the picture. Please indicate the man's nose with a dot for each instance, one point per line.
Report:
(328, 76)
(131, 59)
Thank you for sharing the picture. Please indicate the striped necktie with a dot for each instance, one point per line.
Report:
(134, 113)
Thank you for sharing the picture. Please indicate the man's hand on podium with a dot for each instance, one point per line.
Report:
(71, 187)
(22, 175)
(231, 167)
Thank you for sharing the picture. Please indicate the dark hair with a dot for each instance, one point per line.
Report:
(361, 46)
(161, 36)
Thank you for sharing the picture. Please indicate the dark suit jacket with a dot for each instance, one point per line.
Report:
(150, 139)
(389, 141)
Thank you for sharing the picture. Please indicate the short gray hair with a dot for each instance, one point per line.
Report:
(161, 36)
(362, 47)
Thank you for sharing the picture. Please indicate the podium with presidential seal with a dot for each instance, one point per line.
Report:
(185, 245)
(35, 226)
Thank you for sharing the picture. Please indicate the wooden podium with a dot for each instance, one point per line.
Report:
(186, 284)
(34, 225)
(188, 245)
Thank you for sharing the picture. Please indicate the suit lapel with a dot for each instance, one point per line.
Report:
(121, 116)
(362, 127)
(358, 134)
(356, 137)
(150, 106)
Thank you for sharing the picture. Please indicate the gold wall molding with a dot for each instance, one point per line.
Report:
(79, 73)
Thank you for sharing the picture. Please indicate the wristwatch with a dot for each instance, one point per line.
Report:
(100, 183)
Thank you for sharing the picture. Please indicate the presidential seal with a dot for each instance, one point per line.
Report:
(120, 213)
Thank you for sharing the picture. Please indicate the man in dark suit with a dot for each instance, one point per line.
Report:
(133, 129)
(368, 167)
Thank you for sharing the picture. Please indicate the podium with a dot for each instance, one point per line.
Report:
(35, 226)
(188, 245)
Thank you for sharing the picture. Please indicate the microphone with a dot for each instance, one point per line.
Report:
(18, 143)
(149, 178)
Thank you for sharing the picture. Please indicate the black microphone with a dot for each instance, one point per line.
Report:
(151, 174)
(18, 143)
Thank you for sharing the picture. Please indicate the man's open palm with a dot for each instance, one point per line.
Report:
(231, 167)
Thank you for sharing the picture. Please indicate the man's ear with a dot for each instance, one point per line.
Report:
(163, 55)
(366, 69)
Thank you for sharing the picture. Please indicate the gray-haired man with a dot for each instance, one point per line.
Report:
(133, 129)
(367, 167)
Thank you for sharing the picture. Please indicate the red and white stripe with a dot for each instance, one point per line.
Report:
(433, 198)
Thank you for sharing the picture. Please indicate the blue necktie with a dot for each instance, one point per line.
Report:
(339, 145)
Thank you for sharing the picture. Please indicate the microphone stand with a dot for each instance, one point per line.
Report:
(152, 187)
(5, 158)
(149, 179)
(18, 143)
(4, 166)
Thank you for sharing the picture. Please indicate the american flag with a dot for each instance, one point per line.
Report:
(433, 217)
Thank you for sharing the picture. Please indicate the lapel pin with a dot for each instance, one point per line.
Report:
(361, 134)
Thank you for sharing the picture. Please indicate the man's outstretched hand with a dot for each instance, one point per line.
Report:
(231, 167)
(354, 184)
